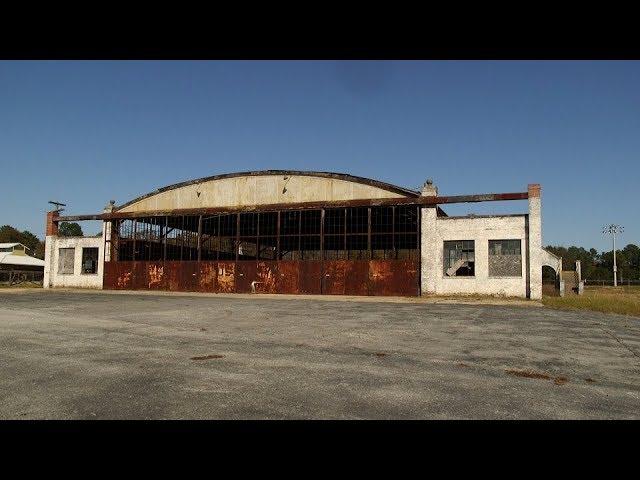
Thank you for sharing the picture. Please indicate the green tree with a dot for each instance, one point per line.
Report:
(9, 234)
(69, 229)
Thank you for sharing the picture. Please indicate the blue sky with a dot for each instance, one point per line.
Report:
(87, 132)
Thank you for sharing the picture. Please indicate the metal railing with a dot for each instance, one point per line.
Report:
(609, 283)
(21, 277)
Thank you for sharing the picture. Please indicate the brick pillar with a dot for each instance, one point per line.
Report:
(52, 223)
(535, 242)
(428, 242)
(51, 237)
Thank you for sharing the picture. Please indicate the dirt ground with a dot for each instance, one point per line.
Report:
(106, 355)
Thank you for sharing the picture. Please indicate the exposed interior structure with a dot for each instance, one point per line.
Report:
(301, 232)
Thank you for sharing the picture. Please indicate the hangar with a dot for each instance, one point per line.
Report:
(302, 232)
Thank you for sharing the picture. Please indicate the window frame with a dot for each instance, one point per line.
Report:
(490, 254)
(73, 260)
(97, 249)
(445, 256)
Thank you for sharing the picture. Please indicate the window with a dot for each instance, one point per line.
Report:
(65, 260)
(89, 260)
(459, 258)
(505, 258)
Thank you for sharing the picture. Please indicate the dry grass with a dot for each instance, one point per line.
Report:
(622, 300)
(21, 285)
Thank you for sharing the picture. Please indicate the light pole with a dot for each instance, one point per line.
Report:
(613, 230)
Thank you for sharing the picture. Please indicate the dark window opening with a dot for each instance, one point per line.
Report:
(459, 258)
(382, 247)
(347, 233)
(334, 247)
(125, 240)
(357, 247)
(290, 223)
(357, 220)
(268, 223)
(382, 220)
(290, 247)
(406, 218)
(89, 260)
(334, 221)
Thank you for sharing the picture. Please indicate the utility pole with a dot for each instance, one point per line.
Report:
(613, 230)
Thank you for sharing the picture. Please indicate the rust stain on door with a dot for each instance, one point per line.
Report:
(226, 277)
(208, 277)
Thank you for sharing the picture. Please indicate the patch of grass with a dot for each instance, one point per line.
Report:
(622, 300)
(21, 285)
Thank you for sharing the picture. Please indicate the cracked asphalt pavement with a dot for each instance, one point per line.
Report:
(104, 355)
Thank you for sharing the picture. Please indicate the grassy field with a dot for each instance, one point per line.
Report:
(623, 300)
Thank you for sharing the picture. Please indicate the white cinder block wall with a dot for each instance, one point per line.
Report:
(526, 227)
(435, 231)
(52, 278)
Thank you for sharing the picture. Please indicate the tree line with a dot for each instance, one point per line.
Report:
(595, 266)
(9, 234)
(599, 266)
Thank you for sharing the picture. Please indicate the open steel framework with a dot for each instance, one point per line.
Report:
(359, 246)
(351, 250)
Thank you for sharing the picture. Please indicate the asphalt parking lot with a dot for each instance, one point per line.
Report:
(102, 355)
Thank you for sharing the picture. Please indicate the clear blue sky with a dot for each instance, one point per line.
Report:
(87, 132)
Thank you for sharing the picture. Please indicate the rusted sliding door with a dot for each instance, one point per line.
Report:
(246, 272)
(394, 277)
(345, 277)
(208, 277)
(118, 275)
(226, 277)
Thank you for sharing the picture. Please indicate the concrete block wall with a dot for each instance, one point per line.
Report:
(526, 227)
(52, 278)
(437, 230)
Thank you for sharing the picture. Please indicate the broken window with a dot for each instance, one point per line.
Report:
(66, 260)
(505, 258)
(89, 260)
(459, 258)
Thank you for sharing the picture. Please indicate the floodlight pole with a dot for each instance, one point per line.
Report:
(613, 229)
(615, 266)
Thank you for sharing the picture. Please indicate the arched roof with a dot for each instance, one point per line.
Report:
(243, 188)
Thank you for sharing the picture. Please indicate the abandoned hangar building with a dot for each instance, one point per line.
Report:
(302, 232)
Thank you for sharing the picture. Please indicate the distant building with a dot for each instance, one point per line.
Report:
(13, 256)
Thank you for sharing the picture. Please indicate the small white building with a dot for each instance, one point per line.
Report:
(73, 262)
(13, 256)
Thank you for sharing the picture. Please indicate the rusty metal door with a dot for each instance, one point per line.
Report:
(333, 277)
(267, 277)
(118, 275)
(246, 272)
(208, 277)
(153, 275)
(226, 277)
(288, 277)
(310, 277)
(394, 277)
(346, 277)
(181, 276)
